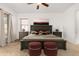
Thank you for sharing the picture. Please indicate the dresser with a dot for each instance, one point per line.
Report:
(22, 34)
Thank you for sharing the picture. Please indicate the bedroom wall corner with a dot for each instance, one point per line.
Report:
(71, 25)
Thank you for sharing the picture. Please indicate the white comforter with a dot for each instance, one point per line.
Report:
(34, 36)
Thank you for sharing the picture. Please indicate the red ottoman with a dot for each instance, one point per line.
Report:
(34, 48)
(50, 48)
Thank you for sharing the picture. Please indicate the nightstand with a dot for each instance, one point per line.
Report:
(59, 34)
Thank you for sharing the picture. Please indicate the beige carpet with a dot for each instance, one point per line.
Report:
(13, 49)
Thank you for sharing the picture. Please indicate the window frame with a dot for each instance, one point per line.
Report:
(22, 24)
(6, 23)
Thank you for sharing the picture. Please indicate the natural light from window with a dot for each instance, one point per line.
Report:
(24, 24)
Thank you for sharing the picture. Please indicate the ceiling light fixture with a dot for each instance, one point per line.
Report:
(38, 4)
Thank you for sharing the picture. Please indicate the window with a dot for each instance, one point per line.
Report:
(24, 24)
(5, 18)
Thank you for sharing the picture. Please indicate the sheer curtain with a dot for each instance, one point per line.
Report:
(10, 30)
(4, 39)
(2, 33)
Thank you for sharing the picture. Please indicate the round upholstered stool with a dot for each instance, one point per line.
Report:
(34, 48)
(50, 48)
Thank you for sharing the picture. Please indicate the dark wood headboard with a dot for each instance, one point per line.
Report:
(41, 27)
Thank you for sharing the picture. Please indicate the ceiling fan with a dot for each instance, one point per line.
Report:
(44, 4)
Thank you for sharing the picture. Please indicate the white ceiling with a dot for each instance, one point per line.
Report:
(25, 8)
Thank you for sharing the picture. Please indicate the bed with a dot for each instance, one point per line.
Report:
(61, 43)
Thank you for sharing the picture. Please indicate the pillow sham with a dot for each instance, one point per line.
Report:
(34, 32)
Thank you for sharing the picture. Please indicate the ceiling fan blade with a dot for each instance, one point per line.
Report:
(29, 3)
(37, 7)
(45, 4)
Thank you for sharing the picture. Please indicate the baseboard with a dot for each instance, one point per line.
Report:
(71, 41)
(77, 42)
